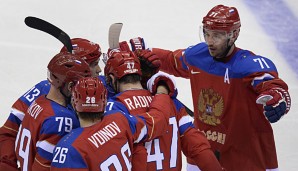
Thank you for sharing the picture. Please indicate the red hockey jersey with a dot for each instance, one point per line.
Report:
(164, 152)
(224, 99)
(43, 125)
(108, 144)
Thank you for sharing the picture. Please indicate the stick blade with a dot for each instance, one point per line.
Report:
(42, 25)
(114, 34)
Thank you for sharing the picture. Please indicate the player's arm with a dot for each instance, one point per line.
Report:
(172, 62)
(53, 129)
(157, 118)
(196, 147)
(66, 157)
(273, 92)
(8, 133)
(9, 130)
(194, 144)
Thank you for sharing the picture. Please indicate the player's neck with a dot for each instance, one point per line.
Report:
(129, 86)
(55, 95)
(87, 123)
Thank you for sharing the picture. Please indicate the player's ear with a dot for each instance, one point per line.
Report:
(112, 81)
(70, 86)
(235, 35)
(112, 78)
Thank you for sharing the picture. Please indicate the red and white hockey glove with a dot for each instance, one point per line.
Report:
(162, 78)
(276, 101)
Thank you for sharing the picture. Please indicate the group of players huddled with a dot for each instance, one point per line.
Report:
(130, 117)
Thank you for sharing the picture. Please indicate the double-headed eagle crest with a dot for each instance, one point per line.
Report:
(210, 107)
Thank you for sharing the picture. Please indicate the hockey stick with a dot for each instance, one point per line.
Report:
(114, 35)
(49, 28)
(190, 112)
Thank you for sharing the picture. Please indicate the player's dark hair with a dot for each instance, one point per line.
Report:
(130, 78)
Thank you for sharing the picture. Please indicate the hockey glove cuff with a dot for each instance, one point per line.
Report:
(165, 79)
(276, 101)
(137, 43)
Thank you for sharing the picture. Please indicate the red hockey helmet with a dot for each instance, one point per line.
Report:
(66, 67)
(84, 48)
(89, 95)
(121, 63)
(223, 18)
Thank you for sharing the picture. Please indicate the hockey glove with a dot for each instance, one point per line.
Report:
(138, 46)
(276, 101)
(149, 60)
(124, 46)
(165, 79)
(148, 68)
(137, 43)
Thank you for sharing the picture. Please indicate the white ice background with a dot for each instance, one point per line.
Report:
(169, 24)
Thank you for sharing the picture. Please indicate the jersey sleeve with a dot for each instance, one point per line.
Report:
(53, 129)
(9, 130)
(184, 120)
(8, 134)
(197, 149)
(157, 118)
(173, 62)
(260, 73)
(66, 157)
(194, 144)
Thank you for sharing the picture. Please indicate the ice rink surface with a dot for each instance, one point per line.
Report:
(269, 28)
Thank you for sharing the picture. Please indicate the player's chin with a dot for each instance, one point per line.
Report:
(213, 52)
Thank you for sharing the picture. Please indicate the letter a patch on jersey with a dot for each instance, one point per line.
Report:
(226, 79)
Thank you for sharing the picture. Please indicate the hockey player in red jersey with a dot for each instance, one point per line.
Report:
(105, 141)
(87, 50)
(50, 116)
(236, 94)
(123, 72)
